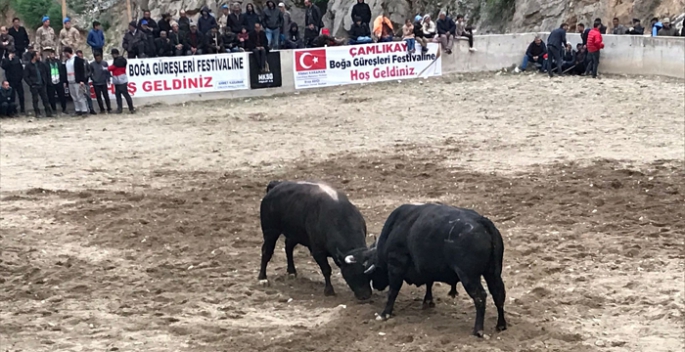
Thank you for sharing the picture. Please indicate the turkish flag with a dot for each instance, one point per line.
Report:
(309, 60)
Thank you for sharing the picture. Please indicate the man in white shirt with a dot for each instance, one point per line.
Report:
(76, 76)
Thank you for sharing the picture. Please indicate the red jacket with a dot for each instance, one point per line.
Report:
(594, 41)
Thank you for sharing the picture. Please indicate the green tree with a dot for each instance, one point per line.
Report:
(32, 11)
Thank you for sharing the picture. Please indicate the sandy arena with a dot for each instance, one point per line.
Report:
(141, 233)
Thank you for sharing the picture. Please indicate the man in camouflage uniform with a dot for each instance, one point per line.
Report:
(69, 36)
(46, 40)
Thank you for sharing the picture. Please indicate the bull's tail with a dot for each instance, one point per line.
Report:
(497, 245)
(271, 185)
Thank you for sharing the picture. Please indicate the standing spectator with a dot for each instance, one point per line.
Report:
(310, 33)
(14, 73)
(429, 28)
(35, 76)
(555, 43)
(56, 82)
(287, 20)
(464, 31)
(195, 41)
(618, 29)
(293, 40)
(96, 38)
(602, 27)
(21, 38)
(152, 24)
(69, 36)
(101, 76)
(8, 108)
(594, 45)
(656, 26)
(46, 40)
(243, 36)
(583, 32)
(408, 36)
(215, 42)
(535, 53)
(418, 34)
(637, 28)
(258, 45)
(313, 16)
(165, 24)
(163, 46)
(223, 19)
(382, 28)
(667, 30)
(360, 32)
(230, 40)
(27, 57)
(363, 11)
(176, 39)
(148, 38)
(236, 19)
(446, 29)
(6, 43)
(76, 76)
(272, 18)
(206, 22)
(120, 81)
(250, 17)
(89, 73)
(183, 22)
(134, 42)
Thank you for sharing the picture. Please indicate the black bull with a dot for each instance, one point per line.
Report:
(427, 243)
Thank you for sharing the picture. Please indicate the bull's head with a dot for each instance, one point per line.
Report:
(354, 273)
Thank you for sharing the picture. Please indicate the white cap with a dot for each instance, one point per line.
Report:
(280, 4)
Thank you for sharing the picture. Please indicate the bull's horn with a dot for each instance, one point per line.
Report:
(350, 259)
(370, 269)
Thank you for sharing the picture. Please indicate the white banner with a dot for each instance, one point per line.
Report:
(377, 62)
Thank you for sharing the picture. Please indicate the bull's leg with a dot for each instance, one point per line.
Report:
(396, 271)
(322, 260)
(428, 298)
(289, 247)
(270, 239)
(453, 291)
(498, 292)
(475, 289)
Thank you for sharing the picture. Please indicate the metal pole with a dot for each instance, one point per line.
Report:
(64, 9)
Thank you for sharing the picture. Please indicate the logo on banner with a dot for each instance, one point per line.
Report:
(310, 60)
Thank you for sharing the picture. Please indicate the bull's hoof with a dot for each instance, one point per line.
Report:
(452, 293)
(382, 317)
(292, 276)
(502, 327)
(264, 282)
(328, 291)
(479, 333)
(428, 305)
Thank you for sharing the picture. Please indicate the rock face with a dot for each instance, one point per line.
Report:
(339, 15)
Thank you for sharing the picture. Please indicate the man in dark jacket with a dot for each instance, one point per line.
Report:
(14, 73)
(250, 17)
(272, 18)
(363, 11)
(177, 39)
(235, 19)
(602, 27)
(56, 82)
(555, 43)
(636, 29)
(101, 76)
(313, 16)
(206, 22)
(35, 76)
(535, 53)
(259, 46)
(21, 38)
(165, 23)
(183, 22)
(149, 38)
(215, 42)
(6, 43)
(152, 24)
(580, 59)
(360, 32)
(580, 28)
(230, 40)
(310, 33)
(195, 42)
(134, 42)
(292, 38)
(89, 100)
(163, 46)
(446, 31)
(8, 107)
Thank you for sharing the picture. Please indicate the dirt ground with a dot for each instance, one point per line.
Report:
(141, 233)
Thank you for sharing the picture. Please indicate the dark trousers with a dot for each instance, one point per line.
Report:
(8, 109)
(18, 88)
(137, 52)
(101, 93)
(260, 57)
(40, 91)
(122, 90)
(59, 89)
(554, 53)
(470, 36)
(593, 63)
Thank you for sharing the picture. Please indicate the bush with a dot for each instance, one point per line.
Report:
(32, 11)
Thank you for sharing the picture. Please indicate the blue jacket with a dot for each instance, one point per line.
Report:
(655, 28)
(96, 39)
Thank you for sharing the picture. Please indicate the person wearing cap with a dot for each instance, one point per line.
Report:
(535, 53)
(272, 18)
(14, 73)
(176, 38)
(120, 80)
(360, 32)
(618, 29)
(363, 11)
(96, 38)
(46, 40)
(419, 35)
(69, 36)
(195, 41)
(656, 26)
(637, 28)
(149, 39)
(152, 24)
(667, 30)
(428, 27)
(206, 22)
(134, 42)
(223, 19)
(287, 20)
(21, 37)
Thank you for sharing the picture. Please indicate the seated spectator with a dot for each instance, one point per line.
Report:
(325, 39)
(382, 29)
(163, 45)
(148, 38)
(195, 42)
(580, 59)
(463, 31)
(360, 32)
(231, 44)
(243, 36)
(536, 53)
(215, 42)
(134, 42)
(446, 30)
(568, 57)
(292, 38)
(176, 39)
(656, 26)
(258, 44)
(310, 33)
(619, 29)
(667, 30)
(429, 29)
(8, 108)
(637, 28)
(408, 36)
(152, 25)
(418, 34)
